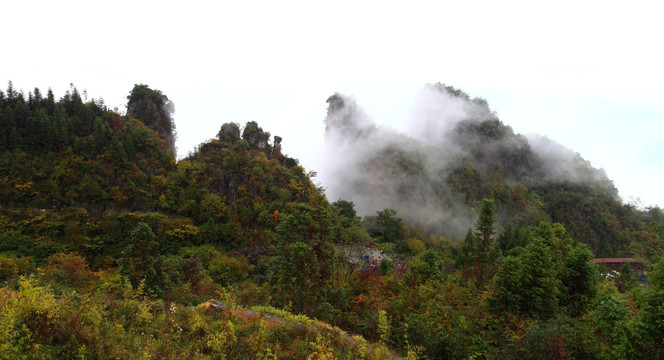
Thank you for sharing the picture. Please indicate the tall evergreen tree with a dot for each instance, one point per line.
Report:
(468, 249)
(63, 126)
(579, 278)
(102, 134)
(11, 93)
(41, 131)
(4, 129)
(485, 227)
(35, 99)
(526, 284)
(49, 103)
(11, 133)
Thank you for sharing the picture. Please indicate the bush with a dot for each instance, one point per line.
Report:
(227, 270)
(68, 269)
(10, 267)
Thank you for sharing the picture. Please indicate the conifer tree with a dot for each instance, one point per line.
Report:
(467, 253)
(35, 99)
(49, 103)
(117, 152)
(11, 93)
(41, 131)
(4, 129)
(11, 134)
(484, 229)
(63, 126)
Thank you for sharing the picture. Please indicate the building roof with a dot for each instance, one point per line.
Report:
(618, 260)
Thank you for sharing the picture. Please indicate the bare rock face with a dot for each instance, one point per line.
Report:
(212, 306)
(255, 136)
(276, 148)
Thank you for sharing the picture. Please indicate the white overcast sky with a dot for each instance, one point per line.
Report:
(587, 74)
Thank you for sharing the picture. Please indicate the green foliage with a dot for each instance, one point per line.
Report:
(579, 279)
(304, 264)
(140, 261)
(346, 209)
(613, 320)
(479, 251)
(650, 322)
(468, 250)
(433, 318)
(426, 266)
(71, 153)
(229, 270)
(153, 108)
(486, 248)
(545, 340)
(229, 133)
(346, 227)
(386, 226)
(512, 237)
(526, 284)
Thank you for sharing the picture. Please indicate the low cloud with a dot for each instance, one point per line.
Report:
(432, 174)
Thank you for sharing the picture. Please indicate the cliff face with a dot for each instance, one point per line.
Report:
(155, 110)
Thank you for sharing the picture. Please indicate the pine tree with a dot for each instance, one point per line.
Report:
(4, 129)
(62, 125)
(468, 249)
(117, 153)
(102, 133)
(11, 93)
(484, 229)
(49, 103)
(11, 133)
(41, 131)
(35, 99)
(21, 113)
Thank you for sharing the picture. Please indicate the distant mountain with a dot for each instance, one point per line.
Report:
(456, 153)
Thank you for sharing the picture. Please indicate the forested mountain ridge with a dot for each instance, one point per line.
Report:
(109, 248)
(75, 157)
(457, 153)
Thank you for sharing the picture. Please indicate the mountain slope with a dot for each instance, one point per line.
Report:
(457, 153)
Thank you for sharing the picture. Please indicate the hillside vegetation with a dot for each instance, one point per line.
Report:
(477, 244)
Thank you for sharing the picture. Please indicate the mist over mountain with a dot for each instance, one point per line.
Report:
(456, 152)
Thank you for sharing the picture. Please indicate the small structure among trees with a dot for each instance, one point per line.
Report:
(618, 263)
